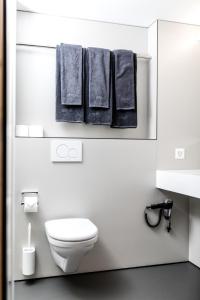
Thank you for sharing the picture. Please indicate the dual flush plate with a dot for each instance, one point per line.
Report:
(66, 151)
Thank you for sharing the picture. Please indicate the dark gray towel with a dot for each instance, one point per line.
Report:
(125, 118)
(71, 74)
(124, 80)
(99, 77)
(65, 113)
(95, 116)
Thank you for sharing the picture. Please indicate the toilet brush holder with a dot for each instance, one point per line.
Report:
(28, 261)
(28, 256)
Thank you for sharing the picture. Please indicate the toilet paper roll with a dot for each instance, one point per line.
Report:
(30, 204)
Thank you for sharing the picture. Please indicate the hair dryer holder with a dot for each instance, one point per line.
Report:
(165, 210)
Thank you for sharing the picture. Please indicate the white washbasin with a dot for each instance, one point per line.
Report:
(186, 182)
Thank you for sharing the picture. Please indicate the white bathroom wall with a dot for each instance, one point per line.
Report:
(10, 133)
(113, 184)
(111, 187)
(178, 94)
(153, 78)
(194, 242)
(179, 107)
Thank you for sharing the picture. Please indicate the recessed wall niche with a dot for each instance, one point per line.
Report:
(35, 85)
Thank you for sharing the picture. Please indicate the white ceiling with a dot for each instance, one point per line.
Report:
(133, 12)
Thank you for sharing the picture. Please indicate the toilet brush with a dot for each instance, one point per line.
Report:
(28, 256)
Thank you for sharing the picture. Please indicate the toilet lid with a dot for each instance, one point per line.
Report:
(74, 230)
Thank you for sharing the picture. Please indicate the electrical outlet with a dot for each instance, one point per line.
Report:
(179, 153)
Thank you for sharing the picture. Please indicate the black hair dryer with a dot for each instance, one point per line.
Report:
(164, 210)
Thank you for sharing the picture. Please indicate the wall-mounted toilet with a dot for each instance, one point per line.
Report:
(70, 239)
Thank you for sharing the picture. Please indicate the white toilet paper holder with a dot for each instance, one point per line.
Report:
(29, 194)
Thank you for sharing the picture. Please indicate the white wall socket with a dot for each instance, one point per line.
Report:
(179, 153)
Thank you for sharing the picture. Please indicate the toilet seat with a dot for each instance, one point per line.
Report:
(71, 232)
(65, 244)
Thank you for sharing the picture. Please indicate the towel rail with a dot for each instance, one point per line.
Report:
(53, 47)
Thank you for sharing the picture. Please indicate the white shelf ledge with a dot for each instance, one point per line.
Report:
(186, 182)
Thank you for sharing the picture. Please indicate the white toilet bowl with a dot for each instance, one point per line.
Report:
(70, 239)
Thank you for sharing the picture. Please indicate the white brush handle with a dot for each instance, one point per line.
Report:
(29, 235)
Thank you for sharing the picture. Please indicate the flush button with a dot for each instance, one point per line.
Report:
(66, 151)
(72, 153)
(62, 151)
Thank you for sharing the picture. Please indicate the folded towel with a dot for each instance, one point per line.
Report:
(124, 79)
(95, 115)
(71, 74)
(65, 113)
(99, 77)
(125, 118)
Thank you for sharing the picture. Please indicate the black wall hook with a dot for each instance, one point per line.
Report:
(165, 210)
